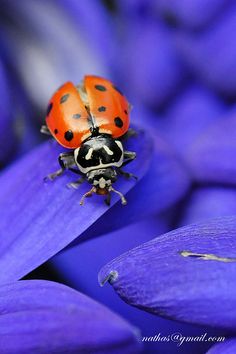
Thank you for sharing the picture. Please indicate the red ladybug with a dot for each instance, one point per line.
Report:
(90, 119)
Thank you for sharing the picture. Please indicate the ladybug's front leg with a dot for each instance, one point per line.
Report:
(126, 174)
(66, 160)
(44, 130)
(129, 134)
(77, 183)
(128, 156)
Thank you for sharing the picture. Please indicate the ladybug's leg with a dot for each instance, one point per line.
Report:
(77, 183)
(123, 200)
(108, 199)
(129, 156)
(65, 161)
(131, 132)
(88, 194)
(126, 174)
(44, 130)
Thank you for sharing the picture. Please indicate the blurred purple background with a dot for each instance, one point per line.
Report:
(175, 61)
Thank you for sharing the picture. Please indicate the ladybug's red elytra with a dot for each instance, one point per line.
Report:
(91, 119)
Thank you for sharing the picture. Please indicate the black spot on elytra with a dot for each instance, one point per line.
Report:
(49, 108)
(102, 109)
(100, 87)
(64, 98)
(118, 90)
(118, 122)
(69, 135)
(55, 131)
(76, 116)
(125, 111)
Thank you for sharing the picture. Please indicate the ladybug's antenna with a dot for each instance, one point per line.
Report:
(87, 194)
(123, 200)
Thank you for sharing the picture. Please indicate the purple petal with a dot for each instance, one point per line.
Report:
(186, 275)
(58, 51)
(192, 14)
(211, 54)
(212, 158)
(40, 316)
(39, 219)
(116, 242)
(179, 129)
(107, 247)
(95, 23)
(7, 136)
(209, 202)
(227, 347)
(155, 76)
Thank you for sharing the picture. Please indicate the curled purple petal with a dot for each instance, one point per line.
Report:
(39, 316)
(39, 219)
(212, 157)
(227, 347)
(187, 274)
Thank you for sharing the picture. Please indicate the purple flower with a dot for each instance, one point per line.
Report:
(41, 317)
(175, 62)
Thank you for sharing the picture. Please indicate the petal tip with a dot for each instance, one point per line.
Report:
(111, 277)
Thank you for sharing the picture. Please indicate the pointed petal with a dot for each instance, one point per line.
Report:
(38, 316)
(39, 219)
(186, 275)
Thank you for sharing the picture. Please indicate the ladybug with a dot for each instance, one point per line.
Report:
(91, 120)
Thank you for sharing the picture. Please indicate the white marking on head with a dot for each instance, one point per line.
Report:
(89, 154)
(108, 151)
(102, 165)
(119, 144)
(102, 182)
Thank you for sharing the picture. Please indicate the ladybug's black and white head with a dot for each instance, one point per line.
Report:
(97, 158)
(102, 178)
